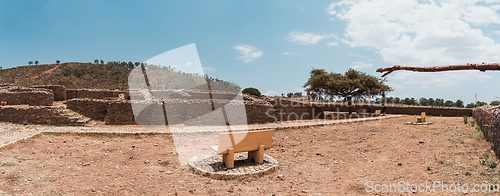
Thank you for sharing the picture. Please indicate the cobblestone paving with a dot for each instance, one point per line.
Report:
(11, 133)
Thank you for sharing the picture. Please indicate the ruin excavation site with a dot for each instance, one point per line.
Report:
(261, 97)
(84, 141)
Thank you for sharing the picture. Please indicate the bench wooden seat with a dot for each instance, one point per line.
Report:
(377, 112)
(253, 142)
(421, 118)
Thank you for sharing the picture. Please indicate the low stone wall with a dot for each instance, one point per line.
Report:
(59, 91)
(119, 112)
(30, 96)
(93, 108)
(488, 119)
(32, 114)
(94, 93)
(408, 110)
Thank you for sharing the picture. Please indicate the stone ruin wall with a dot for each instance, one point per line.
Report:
(408, 110)
(266, 110)
(104, 105)
(59, 91)
(94, 93)
(488, 119)
(14, 95)
(33, 114)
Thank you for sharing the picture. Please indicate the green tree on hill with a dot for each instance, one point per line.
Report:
(30, 62)
(348, 85)
(58, 61)
(251, 91)
(497, 102)
(36, 62)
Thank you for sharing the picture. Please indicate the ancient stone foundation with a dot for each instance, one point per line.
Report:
(33, 114)
(59, 91)
(13, 95)
(488, 119)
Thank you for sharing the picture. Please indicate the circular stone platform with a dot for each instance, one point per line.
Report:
(211, 165)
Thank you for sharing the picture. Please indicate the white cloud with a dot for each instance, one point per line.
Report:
(422, 33)
(305, 38)
(208, 68)
(248, 52)
(360, 65)
(496, 32)
(330, 44)
(286, 53)
(431, 80)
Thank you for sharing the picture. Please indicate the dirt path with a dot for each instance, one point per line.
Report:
(10, 133)
(340, 159)
(45, 72)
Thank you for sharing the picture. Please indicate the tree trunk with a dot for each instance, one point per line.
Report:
(349, 105)
(481, 67)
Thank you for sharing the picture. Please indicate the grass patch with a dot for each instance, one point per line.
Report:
(53, 133)
(13, 177)
(8, 164)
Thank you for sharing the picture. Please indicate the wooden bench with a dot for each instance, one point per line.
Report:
(253, 142)
(421, 119)
(377, 112)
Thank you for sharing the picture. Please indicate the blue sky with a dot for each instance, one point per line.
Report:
(270, 44)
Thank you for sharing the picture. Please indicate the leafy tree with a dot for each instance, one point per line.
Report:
(289, 95)
(58, 61)
(137, 64)
(102, 61)
(348, 85)
(390, 100)
(36, 62)
(497, 102)
(459, 103)
(448, 103)
(470, 105)
(252, 91)
(431, 101)
(423, 101)
(439, 102)
(96, 61)
(413, 101)
(477, 104)
(30, 62)
(397, 100)
(480, 103)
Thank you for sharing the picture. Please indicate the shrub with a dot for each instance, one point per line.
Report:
(497, 102)
(111, 88)
(252, 91)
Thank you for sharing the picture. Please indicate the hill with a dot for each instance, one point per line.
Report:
(97, 76)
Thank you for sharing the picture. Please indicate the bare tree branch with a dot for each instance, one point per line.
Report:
(468, 66)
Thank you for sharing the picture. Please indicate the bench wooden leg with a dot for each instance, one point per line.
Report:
(228, 158)
(258, 155)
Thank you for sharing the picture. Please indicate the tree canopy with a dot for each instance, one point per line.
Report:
(252, 91)
(350, 84)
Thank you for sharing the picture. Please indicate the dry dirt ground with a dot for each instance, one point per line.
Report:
(339, 159)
